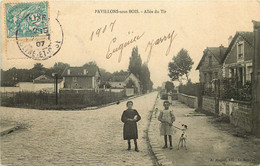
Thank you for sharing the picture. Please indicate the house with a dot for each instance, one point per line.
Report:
(43, 83)
(237, 61)
(210, 65)
(86, 78)
(127, 80)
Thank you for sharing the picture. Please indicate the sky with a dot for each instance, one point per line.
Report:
(194, 25)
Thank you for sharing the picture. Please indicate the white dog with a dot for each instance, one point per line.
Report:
(183, 137)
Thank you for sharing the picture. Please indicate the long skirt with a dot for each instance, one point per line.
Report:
(130, 131)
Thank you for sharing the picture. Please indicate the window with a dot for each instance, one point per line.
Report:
(210, 60)
(232, 73)
(240, 50)
(249, 73)
(205, 77)
(74, 79)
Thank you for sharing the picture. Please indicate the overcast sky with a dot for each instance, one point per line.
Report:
(197, 25)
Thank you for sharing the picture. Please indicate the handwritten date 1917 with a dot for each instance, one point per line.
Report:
(102, 30)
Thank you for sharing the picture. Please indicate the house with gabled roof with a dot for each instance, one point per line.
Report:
(125, 80)
(210, 65)
(237, 61)
(43, 83)
(87, 78)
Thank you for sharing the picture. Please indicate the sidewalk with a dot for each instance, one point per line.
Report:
(7, 127)
(208, 143)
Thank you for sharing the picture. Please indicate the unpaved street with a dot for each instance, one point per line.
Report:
(74, 137)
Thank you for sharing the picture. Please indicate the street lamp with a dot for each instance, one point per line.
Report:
(56, 86)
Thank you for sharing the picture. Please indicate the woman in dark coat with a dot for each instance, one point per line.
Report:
(129, 118)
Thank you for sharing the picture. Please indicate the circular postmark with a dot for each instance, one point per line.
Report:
(35, 46)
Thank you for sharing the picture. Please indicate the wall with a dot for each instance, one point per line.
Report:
(208, 104)
(129, 91)
(9, 89)
(191, 101)
(240, 113)
(26, 86)
(47, 87)
(82, 83)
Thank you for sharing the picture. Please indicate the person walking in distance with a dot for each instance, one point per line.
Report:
(129, 118)
(166, 117)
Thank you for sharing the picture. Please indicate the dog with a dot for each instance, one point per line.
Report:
(183, 137)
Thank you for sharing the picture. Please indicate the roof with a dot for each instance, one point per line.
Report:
(247, 36)
(117, 84)
(79, 71)
(217, 52)
(45, 79)
(121, 77)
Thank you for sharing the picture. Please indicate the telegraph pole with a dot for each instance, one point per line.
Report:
(56, 86)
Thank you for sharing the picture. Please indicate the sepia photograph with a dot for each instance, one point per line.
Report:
(147, 83)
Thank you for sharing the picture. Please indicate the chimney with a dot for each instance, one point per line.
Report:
(68, 71)
(221, 49)
(230, 40)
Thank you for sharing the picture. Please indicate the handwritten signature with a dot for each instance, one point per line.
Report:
(158, 41)
(120, 47)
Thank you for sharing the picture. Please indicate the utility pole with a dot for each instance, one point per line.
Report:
(56, 86)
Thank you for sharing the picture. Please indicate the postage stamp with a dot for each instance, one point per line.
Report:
(27, 19)
(27, 25)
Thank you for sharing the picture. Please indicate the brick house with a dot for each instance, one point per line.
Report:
(237, 61)
(87, 78)
(210, 65)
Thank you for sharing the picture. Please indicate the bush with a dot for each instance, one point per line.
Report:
(65, 100)
(233, 89)
(188, 89)
(164, 96)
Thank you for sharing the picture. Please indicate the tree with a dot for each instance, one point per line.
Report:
(141, 71)
(181, 65)
(169, 86)
(37, 70)
(105, 78)
(135, 64)
(145, 78)
(38, 66)
(91, 63)
(58, 68)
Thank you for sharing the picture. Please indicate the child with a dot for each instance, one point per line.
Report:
(129, 118)
(166, 118)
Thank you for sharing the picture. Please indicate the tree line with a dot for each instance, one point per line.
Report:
(12, 76)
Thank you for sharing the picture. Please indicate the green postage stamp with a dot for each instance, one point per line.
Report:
(27, 19)
(27, 32)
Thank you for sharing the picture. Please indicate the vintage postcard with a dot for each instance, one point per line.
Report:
(130, 82)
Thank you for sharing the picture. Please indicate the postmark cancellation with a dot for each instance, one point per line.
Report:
(28, 26)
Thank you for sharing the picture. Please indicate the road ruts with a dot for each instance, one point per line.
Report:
(74, 137)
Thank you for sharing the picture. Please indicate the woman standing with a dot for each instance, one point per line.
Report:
(129, 118)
